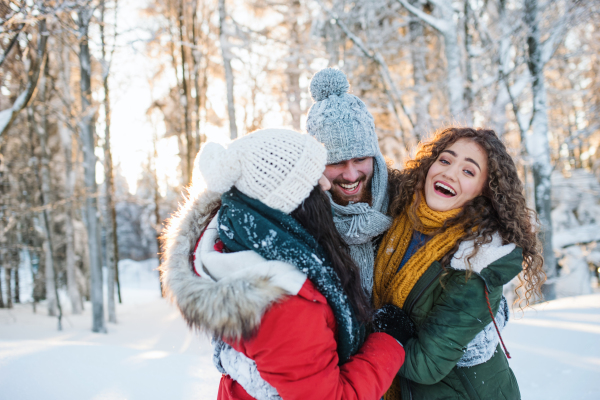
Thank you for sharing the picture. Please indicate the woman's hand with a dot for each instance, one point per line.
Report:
(395, 322)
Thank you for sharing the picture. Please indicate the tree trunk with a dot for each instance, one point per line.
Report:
(111, 229)
(72, 286)
(73, 291)
(1, 296)
(294, 94)
(228, 71)
(196, 60)
(468, 92)
(537, 144)
(51, 273)
(17, 295)
(418, 51)
(185, 97)
(89, 160)
(7, 273)
(448, 29)
(41, 173)
(157, 214)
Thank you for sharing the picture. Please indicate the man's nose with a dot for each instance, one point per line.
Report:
(350, 173)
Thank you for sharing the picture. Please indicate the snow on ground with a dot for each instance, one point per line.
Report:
(151, 354)
(555, 349)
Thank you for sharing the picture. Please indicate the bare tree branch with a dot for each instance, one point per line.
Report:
(377, 58)
(8, 116)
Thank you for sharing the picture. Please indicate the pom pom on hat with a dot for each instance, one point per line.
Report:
(220, 167)
(327, 82)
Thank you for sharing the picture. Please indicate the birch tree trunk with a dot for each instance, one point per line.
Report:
(418, 50)
(111, 228)
(73, 291)
(157, 212)
(468, 90)
(44, 182)
(196, 61)
(72, 287)
(293, 68)
(228, 71)
(449, 31)
(185, 97)
(537, 144)
(89, 160)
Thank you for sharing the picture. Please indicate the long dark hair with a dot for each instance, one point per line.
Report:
(315, 215)
(502, 207)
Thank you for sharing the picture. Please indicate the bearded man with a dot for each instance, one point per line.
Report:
(355, 167)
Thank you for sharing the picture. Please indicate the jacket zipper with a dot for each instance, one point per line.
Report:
(409, 310)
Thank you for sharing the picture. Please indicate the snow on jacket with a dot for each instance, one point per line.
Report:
(455, 354)
(279, 331)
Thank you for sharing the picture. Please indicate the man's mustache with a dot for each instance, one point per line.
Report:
(361, 178)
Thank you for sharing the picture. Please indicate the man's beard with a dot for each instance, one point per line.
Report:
(365, 196)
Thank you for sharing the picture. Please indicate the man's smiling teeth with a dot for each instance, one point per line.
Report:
(349, 187)
(447, 188)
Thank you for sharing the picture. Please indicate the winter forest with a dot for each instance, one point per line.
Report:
(105, 103)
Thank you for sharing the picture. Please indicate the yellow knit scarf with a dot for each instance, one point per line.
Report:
(391, 287)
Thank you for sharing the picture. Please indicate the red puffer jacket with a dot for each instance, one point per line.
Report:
(295, 351)
(284, 331)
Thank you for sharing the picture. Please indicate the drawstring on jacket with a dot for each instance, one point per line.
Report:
(487, 299)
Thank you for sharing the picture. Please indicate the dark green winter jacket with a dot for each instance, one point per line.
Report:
(448, 318)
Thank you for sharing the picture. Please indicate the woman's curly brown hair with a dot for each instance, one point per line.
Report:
(501, 208)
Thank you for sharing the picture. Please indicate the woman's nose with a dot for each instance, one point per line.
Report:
(451, 173)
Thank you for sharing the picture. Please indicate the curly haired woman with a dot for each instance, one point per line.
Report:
(461, 231)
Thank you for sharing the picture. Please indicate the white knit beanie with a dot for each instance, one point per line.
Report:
(278, 167)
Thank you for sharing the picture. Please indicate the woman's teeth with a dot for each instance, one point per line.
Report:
(349, 187)
(445, 189)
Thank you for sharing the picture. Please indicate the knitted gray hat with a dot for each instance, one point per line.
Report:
(340, 120)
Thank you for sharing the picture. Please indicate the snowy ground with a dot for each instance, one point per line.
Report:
(150, 354)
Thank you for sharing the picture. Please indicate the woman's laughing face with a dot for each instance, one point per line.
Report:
(457, 176)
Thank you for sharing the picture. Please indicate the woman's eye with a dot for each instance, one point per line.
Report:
(469, 172)
(445, 162)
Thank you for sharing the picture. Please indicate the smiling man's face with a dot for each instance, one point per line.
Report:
(351, 180)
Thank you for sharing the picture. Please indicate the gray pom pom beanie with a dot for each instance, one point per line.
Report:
(343, 124)
(340, 120)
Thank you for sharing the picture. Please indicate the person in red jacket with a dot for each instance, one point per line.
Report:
(255, 260)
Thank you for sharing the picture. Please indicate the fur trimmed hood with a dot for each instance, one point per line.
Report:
(231, 291)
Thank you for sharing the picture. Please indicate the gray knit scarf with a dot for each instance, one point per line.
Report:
(359, 223)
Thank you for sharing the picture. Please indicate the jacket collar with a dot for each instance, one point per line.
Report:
(495, 263)
(487, 254)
